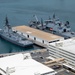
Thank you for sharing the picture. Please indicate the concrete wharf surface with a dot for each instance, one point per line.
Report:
(38, 33)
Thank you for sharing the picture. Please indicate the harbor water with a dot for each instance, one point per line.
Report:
(20, 12)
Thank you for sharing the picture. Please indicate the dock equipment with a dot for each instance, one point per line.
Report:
(54, 61)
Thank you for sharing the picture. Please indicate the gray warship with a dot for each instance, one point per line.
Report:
(13, 36)
(54, 26)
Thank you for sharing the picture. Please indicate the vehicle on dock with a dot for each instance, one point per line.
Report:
(53, 25)
(13, 36)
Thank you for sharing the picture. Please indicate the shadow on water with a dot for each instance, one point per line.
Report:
(7, 47)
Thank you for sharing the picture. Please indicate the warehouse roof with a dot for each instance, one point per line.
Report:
(67, 45)
(16, 65)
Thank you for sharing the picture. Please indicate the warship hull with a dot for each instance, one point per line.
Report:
(7, 38)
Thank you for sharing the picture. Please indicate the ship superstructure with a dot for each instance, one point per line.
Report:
(55, 26)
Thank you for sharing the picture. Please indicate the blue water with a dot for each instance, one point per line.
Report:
(20, 12)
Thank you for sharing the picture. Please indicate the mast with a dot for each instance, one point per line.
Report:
(35, 17)
(54, 16)
(7, 26)
(41, 22)
(6, 21)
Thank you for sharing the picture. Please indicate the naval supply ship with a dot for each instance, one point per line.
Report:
(13, 36)
(53, 25)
